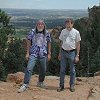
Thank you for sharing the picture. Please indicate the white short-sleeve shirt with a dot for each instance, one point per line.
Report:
(69, 38)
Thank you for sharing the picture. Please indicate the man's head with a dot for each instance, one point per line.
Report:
(69, 23)
(40, 26)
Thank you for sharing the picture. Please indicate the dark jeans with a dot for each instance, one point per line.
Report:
(67, 57)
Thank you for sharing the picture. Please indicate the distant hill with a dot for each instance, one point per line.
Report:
(28, 17)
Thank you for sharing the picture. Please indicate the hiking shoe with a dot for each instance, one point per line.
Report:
(40, 84)
(60, 89)
(23, 88)
(72, 89)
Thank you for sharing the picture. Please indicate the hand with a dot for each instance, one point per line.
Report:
(76, 59)
(27, 56)
(59, 57)
(49, 57)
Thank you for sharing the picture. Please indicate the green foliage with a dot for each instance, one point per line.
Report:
(95, 61)
(90, 44)
(4, 19)
(2, 72)
(15, 57)
(54, 64)
(5, 30)
(3, 40)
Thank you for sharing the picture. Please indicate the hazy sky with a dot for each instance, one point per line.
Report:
(48, 4)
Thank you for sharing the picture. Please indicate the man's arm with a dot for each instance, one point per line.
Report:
(49, 51)
(77, 52)
(49, 48)
(59, 55)
(28, 43)
(78, 48)
(60, 46)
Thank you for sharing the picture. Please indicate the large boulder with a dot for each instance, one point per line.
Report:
(11, 78)
(19, 77)
(16, 77)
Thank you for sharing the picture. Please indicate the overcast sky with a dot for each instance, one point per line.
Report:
(48, 4)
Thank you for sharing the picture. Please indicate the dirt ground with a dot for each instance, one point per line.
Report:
(85, 89)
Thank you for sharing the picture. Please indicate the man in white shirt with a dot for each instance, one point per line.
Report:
(69, 52)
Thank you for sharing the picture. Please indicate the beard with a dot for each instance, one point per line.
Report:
(39, 29)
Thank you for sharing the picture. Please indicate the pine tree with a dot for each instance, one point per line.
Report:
(5, 30)
(16, 53)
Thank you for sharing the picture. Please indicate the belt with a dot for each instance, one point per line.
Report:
(68, 50)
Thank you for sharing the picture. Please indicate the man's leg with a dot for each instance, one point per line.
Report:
(62, 71)
(72, 71)
(42, 71)
(29, 69)
(28, 73)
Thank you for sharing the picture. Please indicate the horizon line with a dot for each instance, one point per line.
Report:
(41, 9)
